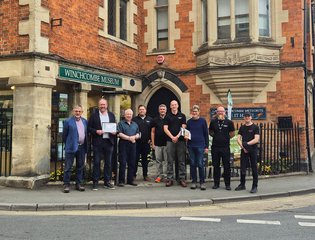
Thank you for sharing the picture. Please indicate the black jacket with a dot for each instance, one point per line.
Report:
(94, 124)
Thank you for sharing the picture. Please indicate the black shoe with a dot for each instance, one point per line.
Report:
(108, 185)
(132, 184)
(254, 190)
(228, 188)
(121, 184)
(80, 188)
(215, 186)
(240, 187)
(66, 189)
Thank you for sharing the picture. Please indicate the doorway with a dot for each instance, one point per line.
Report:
(161, 96)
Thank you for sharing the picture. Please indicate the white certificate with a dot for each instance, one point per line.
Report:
(109, 127)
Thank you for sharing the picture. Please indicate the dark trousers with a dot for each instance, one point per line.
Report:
(79, 155)
(246, 159)
(104, 149)
(127, 155)
(223, 153)
(143, 149)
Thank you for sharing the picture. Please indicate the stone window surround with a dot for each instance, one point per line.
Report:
(277, 15)
(150, 37)
(131, 28)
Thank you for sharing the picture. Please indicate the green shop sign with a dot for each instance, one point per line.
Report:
(89, 77)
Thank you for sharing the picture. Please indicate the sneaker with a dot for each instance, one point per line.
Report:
(80, 188)
(66, 189)
(108, 185)
(228, 187)
(169, 183)
(203, 186)
(146, 179)
(95, 186)
(193, 186)
(240, 187)
(254, 189)
(183, 183)
(157, 180)
(121, 184)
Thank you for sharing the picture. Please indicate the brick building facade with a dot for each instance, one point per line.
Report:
(75, 51)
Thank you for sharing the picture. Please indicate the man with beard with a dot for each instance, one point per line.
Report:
(221, 129)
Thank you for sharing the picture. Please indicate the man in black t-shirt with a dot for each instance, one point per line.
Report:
(158, 138)
(221, 129)
(176, 145)
(248, 137)
(143, 143)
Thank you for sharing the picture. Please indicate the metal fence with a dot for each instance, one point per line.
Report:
(5, 141)
(278, 152)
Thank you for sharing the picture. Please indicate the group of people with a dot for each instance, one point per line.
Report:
(169, 135)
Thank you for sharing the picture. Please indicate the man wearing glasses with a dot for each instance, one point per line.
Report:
(74, 136)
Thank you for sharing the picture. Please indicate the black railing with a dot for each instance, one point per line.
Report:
(278, 150)
(5, 141)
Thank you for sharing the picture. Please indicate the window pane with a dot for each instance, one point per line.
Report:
(241, 18)
(161, 2)
(162, 26)
(111, 21)
(264, 18)
(123, 19)
(224, 19)
(204, 21)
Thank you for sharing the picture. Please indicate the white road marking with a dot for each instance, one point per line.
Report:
(258, 222)
(307, 224)
(304, 217)
(200, 219)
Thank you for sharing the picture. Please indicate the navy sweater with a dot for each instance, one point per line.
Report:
(199, 133)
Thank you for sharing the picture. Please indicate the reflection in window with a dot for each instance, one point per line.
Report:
(241, 18)
(123, 19)
(264, 15)
(204, 21)
(224, 19)
(162, 24)
(111, 22)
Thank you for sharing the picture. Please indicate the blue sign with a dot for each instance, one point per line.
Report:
(238, 113)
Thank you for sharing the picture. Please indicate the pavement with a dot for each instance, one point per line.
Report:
(50, 197)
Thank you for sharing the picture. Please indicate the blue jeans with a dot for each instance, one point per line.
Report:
(105, 149)
(196, 160)
(69, 158)
(127, 155)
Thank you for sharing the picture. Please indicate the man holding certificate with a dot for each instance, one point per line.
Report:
(102, 126)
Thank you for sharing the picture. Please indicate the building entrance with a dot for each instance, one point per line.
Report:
(161, 96)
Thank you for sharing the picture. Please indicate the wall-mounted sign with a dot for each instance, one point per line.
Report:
(160, 59)
(238, 113)
(89, 77)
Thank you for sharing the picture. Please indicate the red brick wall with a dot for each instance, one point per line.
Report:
(78, 38)
(10, 15)
(183, 59)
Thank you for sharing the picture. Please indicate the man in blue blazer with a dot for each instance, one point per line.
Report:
(75, 138)
(103, 143)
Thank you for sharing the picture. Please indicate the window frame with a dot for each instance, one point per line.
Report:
(161, 40)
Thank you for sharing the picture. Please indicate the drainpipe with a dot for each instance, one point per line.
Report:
(313, 44)
(305, 91)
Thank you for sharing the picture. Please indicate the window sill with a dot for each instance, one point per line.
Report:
(159, 52)
(105, 35)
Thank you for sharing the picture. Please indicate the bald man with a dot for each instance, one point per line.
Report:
(221, 129)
